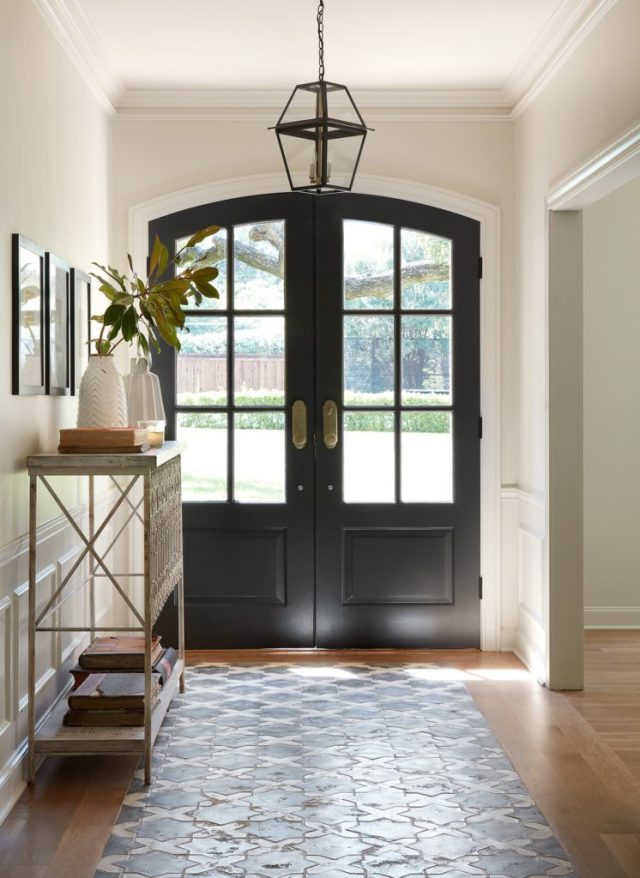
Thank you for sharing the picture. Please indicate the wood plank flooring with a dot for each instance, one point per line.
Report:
(578, 753)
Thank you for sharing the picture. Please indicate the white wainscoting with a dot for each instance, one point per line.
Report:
(524, 606)
(58, 549)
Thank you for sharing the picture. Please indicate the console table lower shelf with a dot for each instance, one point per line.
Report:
(53, 737)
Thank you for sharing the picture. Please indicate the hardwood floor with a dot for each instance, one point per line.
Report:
(578, 753)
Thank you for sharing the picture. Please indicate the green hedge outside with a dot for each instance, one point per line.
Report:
(365, 421)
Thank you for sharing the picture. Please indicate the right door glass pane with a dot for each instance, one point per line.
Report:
(259, 361)
(258, 266)
(427, 457)
(204, 459)
(425, 273)
(201, 370)
(368, 360)
(368, 265)
(259, 457)
(211, 251)
(368, 457)
(426, 360)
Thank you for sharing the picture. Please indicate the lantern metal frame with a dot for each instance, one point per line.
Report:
(321, 128)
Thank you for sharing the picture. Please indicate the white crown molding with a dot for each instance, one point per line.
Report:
(73, 30)
(612, 167)
(265, 105)
(561, 36)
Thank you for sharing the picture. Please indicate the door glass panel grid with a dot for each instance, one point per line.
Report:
(402, 362)
(236, 431)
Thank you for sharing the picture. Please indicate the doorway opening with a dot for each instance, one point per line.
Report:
(330, 402)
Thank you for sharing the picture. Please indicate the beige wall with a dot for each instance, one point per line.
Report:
(153, 158)
(55, 151)
(591, 100)
(54, 189)
(611, 311)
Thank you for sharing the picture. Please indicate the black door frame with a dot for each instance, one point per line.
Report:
(205, 210)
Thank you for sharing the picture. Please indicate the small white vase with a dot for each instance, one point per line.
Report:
(144, 397)
(102, 401)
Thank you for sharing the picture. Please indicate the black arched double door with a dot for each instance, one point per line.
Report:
(329, 406)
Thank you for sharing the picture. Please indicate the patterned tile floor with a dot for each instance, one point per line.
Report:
(353, 770)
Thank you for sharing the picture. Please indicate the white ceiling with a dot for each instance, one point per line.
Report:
(482, 56)
(408, 44)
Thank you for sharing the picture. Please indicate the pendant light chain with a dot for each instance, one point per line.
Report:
(320, 19)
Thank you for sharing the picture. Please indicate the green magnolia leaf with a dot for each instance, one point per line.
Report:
(166, 330)
(115, 329)
(106, 289)
(130, 260)
(129, 323)
(98, 318)
(140, 285)
(103, 347)
(164, 259)
(176, 284)
(206, 273)
(155, 256)
(201, 235)
(208, 291)
(143, 343)
(113, 314)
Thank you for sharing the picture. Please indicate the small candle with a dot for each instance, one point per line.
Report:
(155, 429)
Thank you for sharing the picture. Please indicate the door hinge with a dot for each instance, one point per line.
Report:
(480, 428)
(480, 587)
(479, 267)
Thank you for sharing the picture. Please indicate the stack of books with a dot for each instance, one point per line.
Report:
(109, 684)
(103, 440)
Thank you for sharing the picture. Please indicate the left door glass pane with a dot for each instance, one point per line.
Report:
(259, 457)
(258, 266)
(201, 371)
(212, 251)
(204, 459)
(259, 365)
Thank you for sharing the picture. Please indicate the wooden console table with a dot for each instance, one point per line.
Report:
(161, 502)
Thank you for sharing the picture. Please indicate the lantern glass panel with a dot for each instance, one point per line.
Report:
(343, 155)
(303, 105)
(340, 105)
(300, 155)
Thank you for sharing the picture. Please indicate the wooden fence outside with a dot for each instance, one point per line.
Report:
(199, 373)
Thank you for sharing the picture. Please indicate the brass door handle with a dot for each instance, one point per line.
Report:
(330, 423)
(299, 424)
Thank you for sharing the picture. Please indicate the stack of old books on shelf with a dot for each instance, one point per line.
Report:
(103, 440)
(109, 681)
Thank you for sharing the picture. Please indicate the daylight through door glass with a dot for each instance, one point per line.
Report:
(230, 371)
(397, 364)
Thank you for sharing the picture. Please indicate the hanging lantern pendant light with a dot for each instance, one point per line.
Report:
(321, 132)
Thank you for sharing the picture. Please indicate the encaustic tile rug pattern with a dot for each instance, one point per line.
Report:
(353, 770)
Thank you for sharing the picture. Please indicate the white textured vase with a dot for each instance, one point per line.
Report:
(102, 401)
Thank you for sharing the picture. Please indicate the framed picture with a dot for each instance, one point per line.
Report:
(80, 324)
(28, 366)
(58, 338)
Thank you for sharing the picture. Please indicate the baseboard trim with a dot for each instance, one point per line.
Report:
(611, 617)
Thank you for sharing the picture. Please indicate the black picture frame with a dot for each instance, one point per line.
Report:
(59, 344)
(28, 364)
(80, 287)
